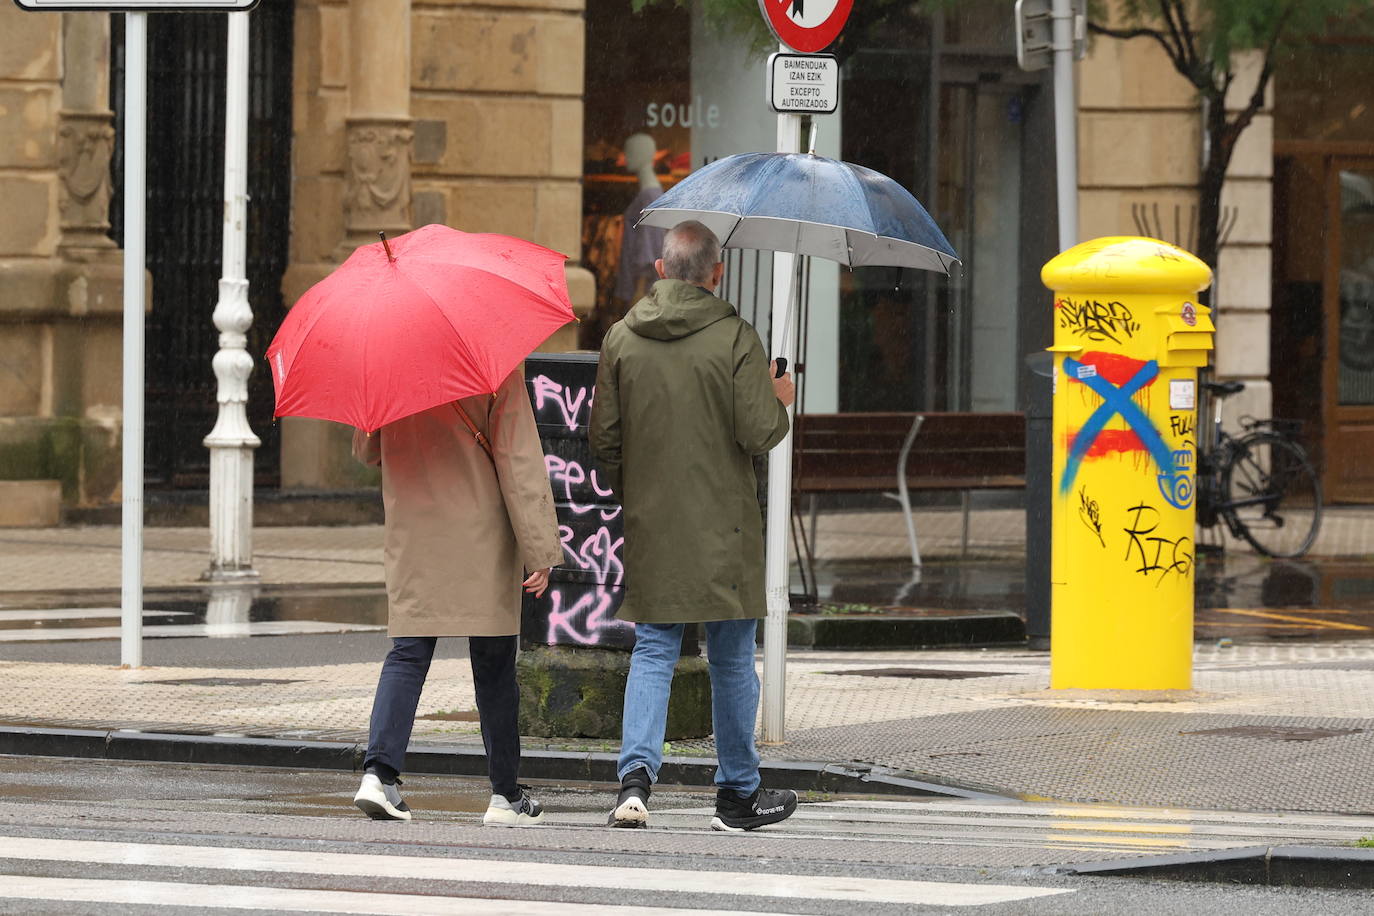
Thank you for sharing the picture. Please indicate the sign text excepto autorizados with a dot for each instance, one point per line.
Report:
(808, 83)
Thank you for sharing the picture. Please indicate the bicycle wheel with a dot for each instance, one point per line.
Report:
(1272, 495)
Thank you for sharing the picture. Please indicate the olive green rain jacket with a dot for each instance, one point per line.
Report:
(683, 402)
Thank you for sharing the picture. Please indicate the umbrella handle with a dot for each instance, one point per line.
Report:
(782, 367)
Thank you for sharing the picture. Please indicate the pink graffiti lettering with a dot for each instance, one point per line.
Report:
(586, 621)
(568, 401)
(571, 473)
(599, 554)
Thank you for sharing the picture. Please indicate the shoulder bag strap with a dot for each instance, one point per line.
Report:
(476, 433)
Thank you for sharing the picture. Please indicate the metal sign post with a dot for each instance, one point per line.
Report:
(776, 577)
(1055, 32)
(135, 285)
(807, 28)
(135, 226)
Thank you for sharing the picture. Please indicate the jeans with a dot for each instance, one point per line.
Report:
(498, 704)
(734, 699)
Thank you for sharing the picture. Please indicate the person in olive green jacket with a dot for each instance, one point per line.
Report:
(684, 399)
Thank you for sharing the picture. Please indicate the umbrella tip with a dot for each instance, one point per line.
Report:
(385, 245)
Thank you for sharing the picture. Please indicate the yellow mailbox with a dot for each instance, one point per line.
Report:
(1129, 337)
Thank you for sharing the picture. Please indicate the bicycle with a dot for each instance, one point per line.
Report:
(1260, 484)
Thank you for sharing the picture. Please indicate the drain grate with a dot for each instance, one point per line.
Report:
(942, 674)
(225, 681)
(1277, 732)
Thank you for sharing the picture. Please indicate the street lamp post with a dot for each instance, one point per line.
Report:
(232, 441)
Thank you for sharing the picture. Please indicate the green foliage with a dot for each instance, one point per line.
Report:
(1202, 35)
(1366, 842)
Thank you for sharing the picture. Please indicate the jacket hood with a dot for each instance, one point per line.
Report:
(675, 309)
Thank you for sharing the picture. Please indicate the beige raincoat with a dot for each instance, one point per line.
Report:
(460, 529)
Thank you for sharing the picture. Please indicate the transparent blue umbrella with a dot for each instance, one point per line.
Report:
(807, 204)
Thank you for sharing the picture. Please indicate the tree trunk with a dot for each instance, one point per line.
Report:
(1219, 148)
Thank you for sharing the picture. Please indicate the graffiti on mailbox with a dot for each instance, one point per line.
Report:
(1117, 382)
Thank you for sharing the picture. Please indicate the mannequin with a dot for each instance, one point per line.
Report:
(639, 248)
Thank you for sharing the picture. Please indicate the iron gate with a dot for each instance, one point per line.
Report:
(186, 72)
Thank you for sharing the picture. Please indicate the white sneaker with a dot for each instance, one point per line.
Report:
(380, 801)
(502, 812)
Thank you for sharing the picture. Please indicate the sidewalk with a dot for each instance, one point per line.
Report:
(1280, 728)
(1270, 726)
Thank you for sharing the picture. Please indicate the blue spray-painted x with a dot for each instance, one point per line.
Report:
(1116, 401)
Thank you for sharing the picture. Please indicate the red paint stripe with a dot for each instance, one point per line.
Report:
(1114, 367)
(1110, 441)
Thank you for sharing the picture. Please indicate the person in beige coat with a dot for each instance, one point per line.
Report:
(469, 519)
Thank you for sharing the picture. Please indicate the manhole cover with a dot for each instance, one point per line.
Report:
(936, 673)
(1277, 732)
(225, 681)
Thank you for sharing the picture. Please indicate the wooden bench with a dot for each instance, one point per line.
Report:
(875, 452)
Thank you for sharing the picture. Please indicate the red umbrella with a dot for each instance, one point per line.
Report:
(403, 326)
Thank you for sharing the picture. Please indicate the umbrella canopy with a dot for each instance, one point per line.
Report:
(807, 204)
(438, 316)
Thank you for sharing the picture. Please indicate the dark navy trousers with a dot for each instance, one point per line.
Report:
(498, 704)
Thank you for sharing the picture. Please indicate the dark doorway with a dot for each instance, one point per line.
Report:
(186, 72)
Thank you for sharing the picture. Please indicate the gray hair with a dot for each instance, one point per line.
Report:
(691, 252)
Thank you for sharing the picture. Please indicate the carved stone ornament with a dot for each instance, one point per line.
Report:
(377, 195)
(85, 143)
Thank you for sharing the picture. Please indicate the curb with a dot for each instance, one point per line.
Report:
(1335, 867)
(579, 766)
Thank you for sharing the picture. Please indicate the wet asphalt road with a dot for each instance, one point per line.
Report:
(240, 809)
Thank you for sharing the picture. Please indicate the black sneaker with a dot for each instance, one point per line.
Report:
(736, 812)
(632, 805)
(502, 812)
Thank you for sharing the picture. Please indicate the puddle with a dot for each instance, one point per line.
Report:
(1239, 596)
(342, 803)
(225, 608)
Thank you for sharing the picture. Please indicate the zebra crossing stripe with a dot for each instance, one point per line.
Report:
(542, 874)
(239, 897)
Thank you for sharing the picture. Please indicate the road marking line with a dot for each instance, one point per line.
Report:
(82, 613)
(1269, 615)
(241, 897)
(491, 871)
(257, 628)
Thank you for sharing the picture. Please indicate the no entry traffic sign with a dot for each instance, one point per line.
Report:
(807, 26)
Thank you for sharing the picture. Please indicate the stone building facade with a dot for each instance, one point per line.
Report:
(471, 117)
(497, 115)
(1140, 158)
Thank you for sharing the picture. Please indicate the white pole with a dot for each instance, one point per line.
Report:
(232, 441)
(779, 488)
(135, 206)
(1065, 122)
